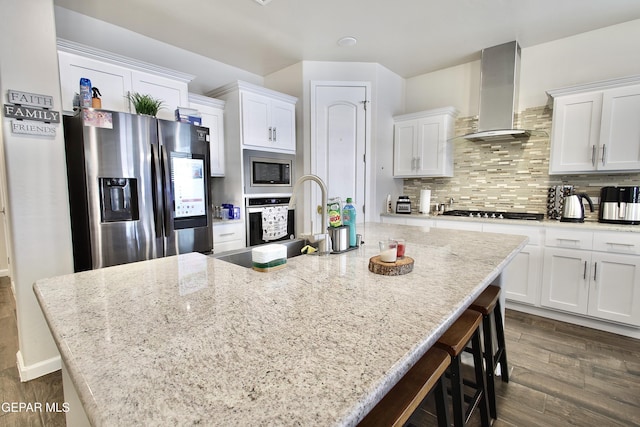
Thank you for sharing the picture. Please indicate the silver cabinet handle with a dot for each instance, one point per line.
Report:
(595, 272)
(604, 153)
(593, 155)
(584, 274)
(275, 135)
(270, 133)
(226, 234)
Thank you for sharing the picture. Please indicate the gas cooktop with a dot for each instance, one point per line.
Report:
(495, 215)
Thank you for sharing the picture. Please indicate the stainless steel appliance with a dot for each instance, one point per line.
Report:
(620, 205)
(403, 205)
(266, 172)
(495, 214)
(137, 188)
(254, 209)
(573, 209)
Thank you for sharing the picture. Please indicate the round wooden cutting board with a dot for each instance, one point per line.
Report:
(398, 268)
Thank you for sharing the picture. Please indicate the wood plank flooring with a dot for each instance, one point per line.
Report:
(561, 375)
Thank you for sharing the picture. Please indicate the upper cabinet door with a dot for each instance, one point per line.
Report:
(172, 93)
(404, 146)
(283, 128)
(112, 81)
(432, 144)
(575, 133)
(212, 114)
(620, 130)
(256, 120)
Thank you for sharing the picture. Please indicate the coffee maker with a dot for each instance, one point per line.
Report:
(620, 205)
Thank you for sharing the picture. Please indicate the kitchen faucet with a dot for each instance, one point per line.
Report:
(324, 241)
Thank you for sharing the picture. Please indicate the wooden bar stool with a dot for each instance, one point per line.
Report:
(455, 340)
(487, 303)
(397, 405)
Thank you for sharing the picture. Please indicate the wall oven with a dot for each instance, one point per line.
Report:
(266, 172)
(255, 206)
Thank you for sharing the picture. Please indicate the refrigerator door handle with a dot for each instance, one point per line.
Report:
(166, 184)
(156, 190)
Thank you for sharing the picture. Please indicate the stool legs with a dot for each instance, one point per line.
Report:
(493, 359)
(501, 354)
(442, 411)
(460, 416)
(480, 380)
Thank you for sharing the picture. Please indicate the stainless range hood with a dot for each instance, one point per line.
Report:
(499, 79)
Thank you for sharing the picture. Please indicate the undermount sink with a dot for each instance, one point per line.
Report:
(242, 257)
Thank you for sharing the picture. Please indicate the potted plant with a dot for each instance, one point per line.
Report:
(145, 104)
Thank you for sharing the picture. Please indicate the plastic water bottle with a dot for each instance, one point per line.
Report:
(349, 219)
(85, 93)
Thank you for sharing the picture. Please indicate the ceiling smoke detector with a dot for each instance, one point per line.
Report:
(262, 2)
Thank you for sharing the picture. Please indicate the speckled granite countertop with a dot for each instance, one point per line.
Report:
(196, 340)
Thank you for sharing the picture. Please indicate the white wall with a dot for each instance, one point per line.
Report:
(386, 101)
(209, 73)
(37, 199)
(596, 55)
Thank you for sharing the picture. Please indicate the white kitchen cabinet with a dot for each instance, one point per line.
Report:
(596, 128)
(265, 118)
(113, 81)
(228, 236)
(117, 76)
(565, 282)
(605, 285)
(620, 129)
(173, 93)
(521, 278)
(212, 114)
(422, 146)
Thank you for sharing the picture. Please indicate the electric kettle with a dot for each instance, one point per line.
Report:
(573, 210)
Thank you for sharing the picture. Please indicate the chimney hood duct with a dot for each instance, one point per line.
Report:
(499, 79)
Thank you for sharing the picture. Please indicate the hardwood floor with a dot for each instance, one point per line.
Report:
(561, 375)
(47, 389)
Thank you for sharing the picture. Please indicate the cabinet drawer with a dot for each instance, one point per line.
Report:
(621, 243)
(231, 245)
(228, 232)
(533, 233)
(569, 238)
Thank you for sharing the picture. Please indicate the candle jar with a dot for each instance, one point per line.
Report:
(401, 248)
(388, 250)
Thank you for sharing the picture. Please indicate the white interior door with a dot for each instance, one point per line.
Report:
(338, 141)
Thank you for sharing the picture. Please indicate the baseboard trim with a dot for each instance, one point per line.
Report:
(614, 328)
(28, 373)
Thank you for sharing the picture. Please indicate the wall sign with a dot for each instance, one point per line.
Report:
(32, 113)
(32, 99)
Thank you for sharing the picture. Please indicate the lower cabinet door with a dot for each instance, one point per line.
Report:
(565, 284)
(522, 276)
(615, 288)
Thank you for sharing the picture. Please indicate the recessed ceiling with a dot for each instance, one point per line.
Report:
(410, 37)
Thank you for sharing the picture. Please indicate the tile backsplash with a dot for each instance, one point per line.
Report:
(507, 176)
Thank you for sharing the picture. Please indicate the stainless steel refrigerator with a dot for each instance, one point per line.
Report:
(138, 188)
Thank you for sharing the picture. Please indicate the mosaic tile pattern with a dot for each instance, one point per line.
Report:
(507, 176)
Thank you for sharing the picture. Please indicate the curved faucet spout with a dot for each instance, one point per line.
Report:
(323, 189)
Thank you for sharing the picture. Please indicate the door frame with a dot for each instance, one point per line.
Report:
(369, 184)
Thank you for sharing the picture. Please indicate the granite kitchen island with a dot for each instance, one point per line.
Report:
(195, 340)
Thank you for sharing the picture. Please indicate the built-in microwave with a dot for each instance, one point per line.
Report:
(266, 172)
